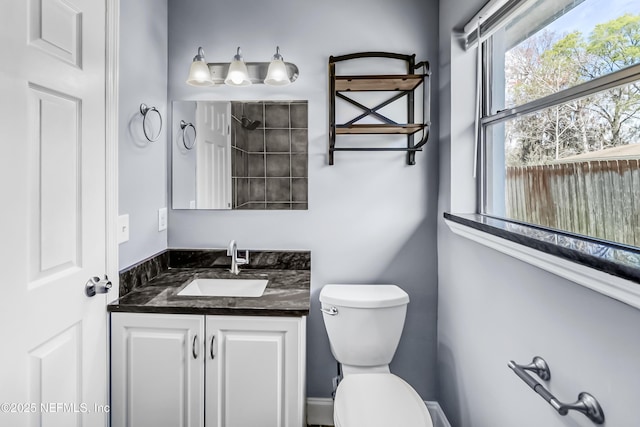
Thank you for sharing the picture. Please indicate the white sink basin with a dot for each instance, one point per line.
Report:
(225, 288)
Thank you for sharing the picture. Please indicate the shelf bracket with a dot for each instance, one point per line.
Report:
(370, 111)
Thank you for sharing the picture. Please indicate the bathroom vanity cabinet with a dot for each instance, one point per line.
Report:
(207, 370)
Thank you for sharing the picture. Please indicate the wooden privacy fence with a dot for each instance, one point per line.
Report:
(599, 198)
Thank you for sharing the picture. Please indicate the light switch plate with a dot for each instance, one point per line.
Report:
(123, 228)
(162, 219)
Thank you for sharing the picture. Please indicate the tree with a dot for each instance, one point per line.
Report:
(538, 67)
(612, 46)
(548, 63)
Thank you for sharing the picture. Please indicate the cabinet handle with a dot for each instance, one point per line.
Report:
(213, 338)
(193, 347)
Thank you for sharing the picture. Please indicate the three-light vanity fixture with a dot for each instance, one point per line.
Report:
(241, 73)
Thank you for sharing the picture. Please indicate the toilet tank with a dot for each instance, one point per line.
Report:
(364, 322)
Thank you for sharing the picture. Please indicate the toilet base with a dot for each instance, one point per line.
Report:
(378, 400)
(350, 369)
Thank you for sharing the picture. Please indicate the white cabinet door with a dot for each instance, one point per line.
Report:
(157, 370)
(251, 370)
(255, 371)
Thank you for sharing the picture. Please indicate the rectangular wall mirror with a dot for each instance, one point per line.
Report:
(239, 155)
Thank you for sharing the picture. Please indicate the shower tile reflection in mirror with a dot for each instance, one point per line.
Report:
(270, 159)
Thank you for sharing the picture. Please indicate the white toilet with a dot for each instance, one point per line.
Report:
(364, 324)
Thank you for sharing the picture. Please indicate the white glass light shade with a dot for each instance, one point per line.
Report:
(199, 74)
(277, 74)
(238, 74)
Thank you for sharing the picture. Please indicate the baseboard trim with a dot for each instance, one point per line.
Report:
(437, 414)
(320, 412)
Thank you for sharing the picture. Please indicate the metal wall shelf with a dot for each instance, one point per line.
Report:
(404, 84)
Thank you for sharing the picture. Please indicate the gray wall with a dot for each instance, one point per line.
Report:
(493, 308)
(183, 160)
(142, 164)
(371, 218)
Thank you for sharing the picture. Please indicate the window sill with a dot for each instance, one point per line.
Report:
(609, 269)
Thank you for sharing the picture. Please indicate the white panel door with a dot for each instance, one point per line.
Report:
(157, 370)
(213, 152)
(255, 372)
(52, 180)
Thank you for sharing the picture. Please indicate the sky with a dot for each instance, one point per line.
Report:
(589, 13)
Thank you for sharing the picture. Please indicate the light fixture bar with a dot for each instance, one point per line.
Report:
(257, 71)
(240, 73)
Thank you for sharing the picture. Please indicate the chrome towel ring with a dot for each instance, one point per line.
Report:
(184, 126)
(145, 110)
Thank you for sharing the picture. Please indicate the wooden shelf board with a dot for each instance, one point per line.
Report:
(379, 129)
(378, 82)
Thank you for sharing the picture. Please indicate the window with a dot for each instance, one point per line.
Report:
(560, 126)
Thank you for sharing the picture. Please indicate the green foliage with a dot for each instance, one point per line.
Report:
(615, 44)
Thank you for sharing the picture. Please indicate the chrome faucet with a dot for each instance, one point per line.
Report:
(232, 251)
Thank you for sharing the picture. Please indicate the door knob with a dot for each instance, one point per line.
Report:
(96, 285)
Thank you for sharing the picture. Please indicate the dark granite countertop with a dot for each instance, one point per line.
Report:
(287, 293)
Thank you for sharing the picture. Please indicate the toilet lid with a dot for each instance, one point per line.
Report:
(378, 400)
(364, 296)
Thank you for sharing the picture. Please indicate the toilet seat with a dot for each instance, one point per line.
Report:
(378, 400)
